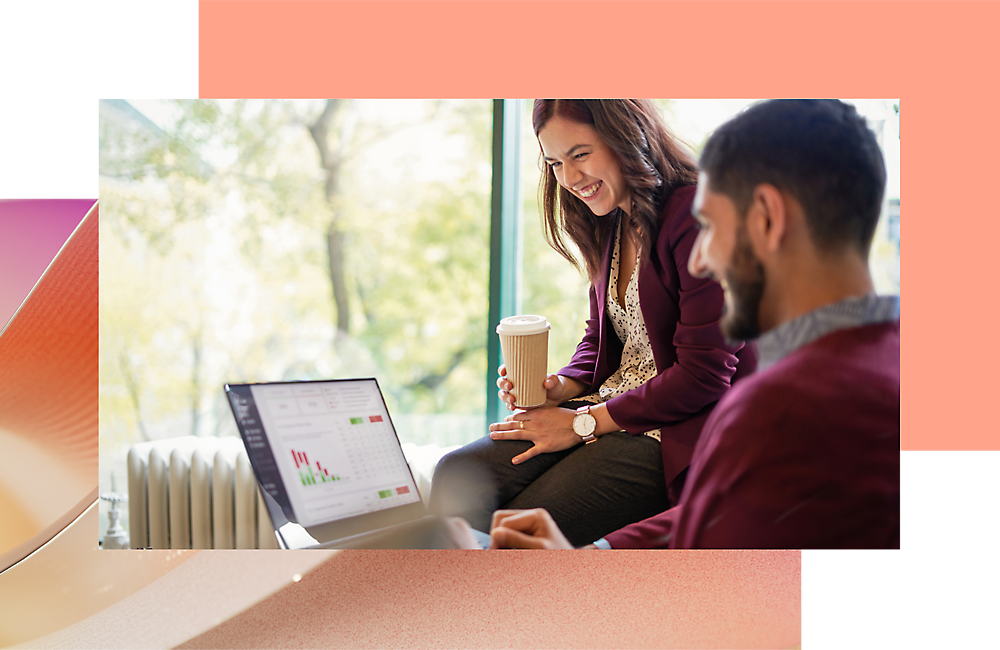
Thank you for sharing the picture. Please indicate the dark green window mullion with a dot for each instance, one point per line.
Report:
(505, 239)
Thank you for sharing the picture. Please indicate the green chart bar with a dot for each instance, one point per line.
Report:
(310, 478)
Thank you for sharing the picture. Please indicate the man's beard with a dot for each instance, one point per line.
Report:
(745, 279)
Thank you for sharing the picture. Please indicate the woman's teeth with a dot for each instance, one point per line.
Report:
(590, 191)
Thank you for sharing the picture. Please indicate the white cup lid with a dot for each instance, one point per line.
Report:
(523, 325)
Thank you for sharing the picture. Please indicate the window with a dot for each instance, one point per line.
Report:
(281, 240)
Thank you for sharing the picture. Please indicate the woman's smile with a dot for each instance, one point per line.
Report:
(589, 191)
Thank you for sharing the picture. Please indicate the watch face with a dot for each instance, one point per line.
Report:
(584, 424)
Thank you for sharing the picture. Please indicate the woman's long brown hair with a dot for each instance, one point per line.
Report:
(652, 165)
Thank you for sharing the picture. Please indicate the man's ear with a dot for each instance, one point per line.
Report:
(767, 219)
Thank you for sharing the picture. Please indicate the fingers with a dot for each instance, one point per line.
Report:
(551, 381)
(508, 434)
(499, 516)
(513, 415)
(507, 538)
(502, 370)
(513, 429)
(528, 455)
(526, 529)
(507, 399)
(505, 387)
(509, 429)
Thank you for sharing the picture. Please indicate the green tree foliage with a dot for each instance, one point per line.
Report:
(215, 262)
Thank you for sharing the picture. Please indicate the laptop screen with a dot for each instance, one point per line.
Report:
(326, 454)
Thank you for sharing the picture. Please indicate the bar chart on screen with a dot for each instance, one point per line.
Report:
(321, 476)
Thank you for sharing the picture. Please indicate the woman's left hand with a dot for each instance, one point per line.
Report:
(550, 428)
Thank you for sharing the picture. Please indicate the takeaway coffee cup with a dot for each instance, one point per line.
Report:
(524, 342)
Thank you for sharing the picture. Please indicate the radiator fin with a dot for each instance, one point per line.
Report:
(201, 499)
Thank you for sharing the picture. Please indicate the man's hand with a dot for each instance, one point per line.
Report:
(526, 529)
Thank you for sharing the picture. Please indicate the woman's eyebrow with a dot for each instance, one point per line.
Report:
(568, 153)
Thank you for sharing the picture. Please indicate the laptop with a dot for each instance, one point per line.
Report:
(330, 467)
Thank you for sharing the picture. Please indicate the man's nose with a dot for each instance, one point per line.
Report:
(696, 262)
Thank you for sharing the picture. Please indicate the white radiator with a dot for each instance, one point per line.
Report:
(195, 492)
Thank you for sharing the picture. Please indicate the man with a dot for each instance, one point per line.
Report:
(804, 454)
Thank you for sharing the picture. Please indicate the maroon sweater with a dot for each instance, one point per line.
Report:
(802, 455)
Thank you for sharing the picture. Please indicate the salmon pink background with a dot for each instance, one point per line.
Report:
(940, 59)
(935, 56)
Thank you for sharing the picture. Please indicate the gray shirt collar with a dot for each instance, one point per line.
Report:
(851, 312)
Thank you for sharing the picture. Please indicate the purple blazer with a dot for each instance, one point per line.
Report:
(694, 363)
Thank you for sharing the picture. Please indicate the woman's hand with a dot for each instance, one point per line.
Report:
(550, 428)
(558, 389)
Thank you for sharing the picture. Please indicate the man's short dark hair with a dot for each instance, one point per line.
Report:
(820, 151)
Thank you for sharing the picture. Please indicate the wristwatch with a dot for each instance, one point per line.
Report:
(584, 424)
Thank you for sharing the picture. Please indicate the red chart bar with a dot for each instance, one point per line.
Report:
(375, 418)
(295, 458)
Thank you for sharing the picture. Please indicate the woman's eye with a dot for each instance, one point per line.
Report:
(554, 164)
(581, 155)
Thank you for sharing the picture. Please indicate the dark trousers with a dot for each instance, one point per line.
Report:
(590, 490)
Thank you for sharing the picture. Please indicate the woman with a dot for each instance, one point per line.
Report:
(652, 362)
